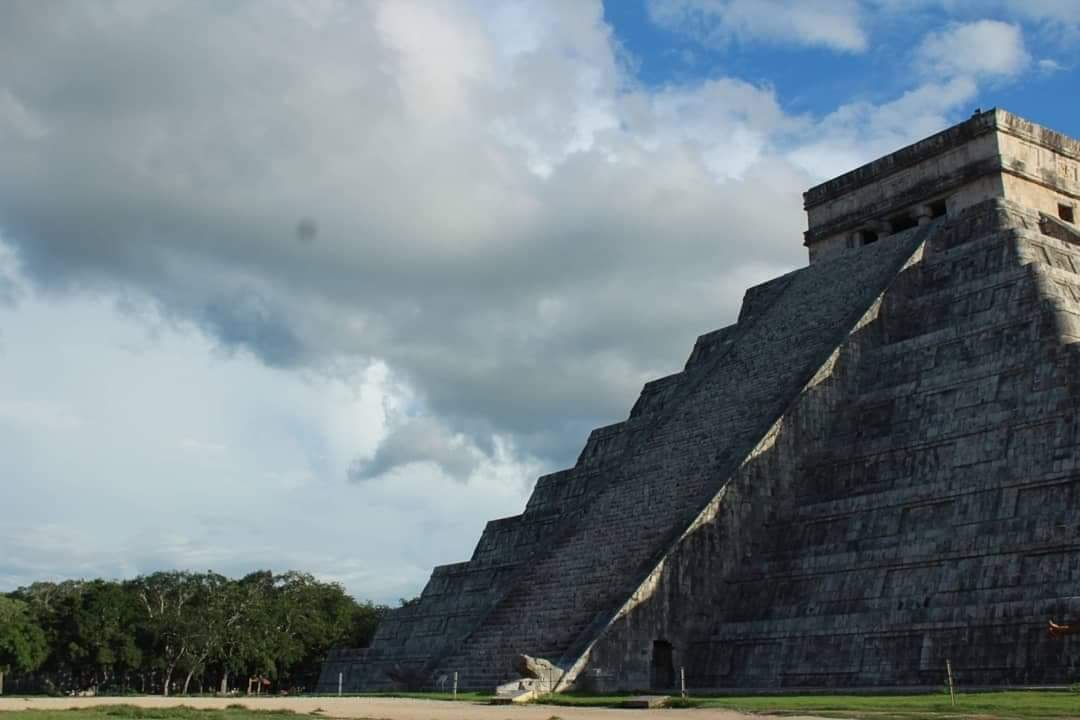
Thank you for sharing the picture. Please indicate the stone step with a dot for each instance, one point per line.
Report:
(873, 477)
(949, 540)
(971, 330)
(678, 461)
(876, 390)
(1025, 540)
(889, 618)
(1004, 295)
(849, 602)
(1052, 477)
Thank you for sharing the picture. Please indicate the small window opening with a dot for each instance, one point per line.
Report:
(1065, 212)
(868, 236)
(938, 209)
(901, 223)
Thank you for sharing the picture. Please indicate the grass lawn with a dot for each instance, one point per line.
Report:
(1018, 704)
(130, 712)
(988, 704)
(461, 696)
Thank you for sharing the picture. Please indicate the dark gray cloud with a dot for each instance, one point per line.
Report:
(525, 275)
(420, 440)
(307, 229)
(515, 231)
(249, 321)
(251, 250)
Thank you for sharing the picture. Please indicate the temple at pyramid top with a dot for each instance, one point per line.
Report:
(994, 154)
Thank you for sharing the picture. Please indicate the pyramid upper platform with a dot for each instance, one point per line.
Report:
(994, 154)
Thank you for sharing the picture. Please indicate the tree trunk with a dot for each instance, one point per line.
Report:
(224, 682)
(187, 681)
(168, 681)
(1, 682)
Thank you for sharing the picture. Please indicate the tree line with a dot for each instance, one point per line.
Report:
(172, 632)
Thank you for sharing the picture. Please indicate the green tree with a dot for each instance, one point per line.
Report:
(312, 617)
(224, 608)
(365, 620)
(55, 607)
(106, 628)
(173, 628)
(23, 645)
(172, 617)
(247, 627)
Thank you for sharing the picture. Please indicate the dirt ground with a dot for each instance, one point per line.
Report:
(389, 708)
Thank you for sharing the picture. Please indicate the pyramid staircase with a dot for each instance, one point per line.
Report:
(941, 521)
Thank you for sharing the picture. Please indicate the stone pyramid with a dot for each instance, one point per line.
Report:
(875, 470)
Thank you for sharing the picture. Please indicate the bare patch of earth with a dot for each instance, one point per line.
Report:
(387, 708)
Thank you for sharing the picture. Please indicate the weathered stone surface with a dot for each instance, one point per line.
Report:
(520, 685)
(409, 678)
(934, 519)
(547, 673)
(510, 697)
(995, 154)
(875, 469)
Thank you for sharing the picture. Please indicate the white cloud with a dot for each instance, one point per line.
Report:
(1063, 12)
(1060, 12)
(125, 451)
(726, 122)
(38, 416)
(834, 24)
(460, 175)
(421, 440)
(506, 237)
(1049, 66)
(984, 48)
(858, 132)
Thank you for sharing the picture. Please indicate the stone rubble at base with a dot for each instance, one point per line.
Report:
(876, 469)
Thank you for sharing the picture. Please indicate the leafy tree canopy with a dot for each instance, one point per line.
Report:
(169, 630)
(22, 641)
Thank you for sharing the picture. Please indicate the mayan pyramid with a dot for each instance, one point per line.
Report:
(876, 469)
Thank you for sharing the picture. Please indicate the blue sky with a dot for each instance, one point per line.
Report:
(326, 286)
(816, 78)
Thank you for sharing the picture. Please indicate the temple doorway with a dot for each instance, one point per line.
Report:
(663, 666)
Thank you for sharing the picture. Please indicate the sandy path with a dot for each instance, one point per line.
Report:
(390, 708)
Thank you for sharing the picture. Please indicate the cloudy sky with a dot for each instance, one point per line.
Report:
(326, 285)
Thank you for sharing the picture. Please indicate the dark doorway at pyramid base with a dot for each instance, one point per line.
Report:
(663, 666)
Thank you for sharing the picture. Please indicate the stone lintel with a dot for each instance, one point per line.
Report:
(906, 157)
